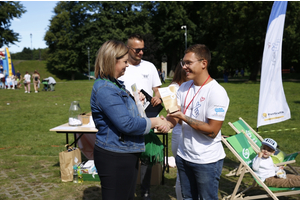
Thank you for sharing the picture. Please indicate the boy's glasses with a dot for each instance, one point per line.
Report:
(188, 63)
(137, 50)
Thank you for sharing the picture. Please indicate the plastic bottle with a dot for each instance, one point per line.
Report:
(75, 175)
(79, 172)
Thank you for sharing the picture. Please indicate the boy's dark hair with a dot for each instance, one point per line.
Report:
(201, 51)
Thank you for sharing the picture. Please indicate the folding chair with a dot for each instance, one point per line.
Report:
(238, 144)
(279, 157)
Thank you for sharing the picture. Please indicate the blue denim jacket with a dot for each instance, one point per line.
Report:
(120, 128)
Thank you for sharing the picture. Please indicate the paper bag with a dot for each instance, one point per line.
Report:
(67, 160)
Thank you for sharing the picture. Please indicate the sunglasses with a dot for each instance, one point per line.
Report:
(137, 50)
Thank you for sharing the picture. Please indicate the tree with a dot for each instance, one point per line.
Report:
(233, 31)
(8, 11)
(166, 19)
(79, 25)
(291, 39)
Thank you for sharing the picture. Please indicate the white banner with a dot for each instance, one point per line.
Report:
(272, 107)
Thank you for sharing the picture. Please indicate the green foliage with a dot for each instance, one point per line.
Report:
(28, 54)
(8, 11)
(234, 32)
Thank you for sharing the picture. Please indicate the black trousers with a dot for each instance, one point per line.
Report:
(117, 173)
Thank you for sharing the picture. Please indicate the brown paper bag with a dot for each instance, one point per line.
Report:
(67, 160)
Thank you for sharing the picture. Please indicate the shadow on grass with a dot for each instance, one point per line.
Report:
(56, 165)
(92, 193)
(157, 192)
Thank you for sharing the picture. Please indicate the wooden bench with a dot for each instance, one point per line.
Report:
(286, 71)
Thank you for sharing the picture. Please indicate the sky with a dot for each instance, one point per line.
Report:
(34, 21)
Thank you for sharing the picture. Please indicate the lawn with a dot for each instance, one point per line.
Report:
(29, 151)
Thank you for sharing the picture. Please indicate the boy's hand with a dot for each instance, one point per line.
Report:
(260, 154)
(281, 167)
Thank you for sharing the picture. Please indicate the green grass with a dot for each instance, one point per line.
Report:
(29, 151)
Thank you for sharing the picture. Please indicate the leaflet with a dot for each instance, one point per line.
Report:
(168, 95)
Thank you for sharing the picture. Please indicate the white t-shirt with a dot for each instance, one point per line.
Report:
(144, 75)
(177, 128)
(210, 103)
(27, 77)
(264, 167)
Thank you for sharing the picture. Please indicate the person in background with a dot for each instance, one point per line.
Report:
(27, 80)
(2, 78)
(18, 79)
(145, 75)
(178, 78)
(292, 70)
(242, 72)
(51, 83)
(236, 72)
(18, 74)
(203, 104)
(163, 75)
(36, 79)
(159, 74)
(225, 75)
(121, 129)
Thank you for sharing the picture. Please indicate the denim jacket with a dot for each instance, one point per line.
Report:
(120, 128)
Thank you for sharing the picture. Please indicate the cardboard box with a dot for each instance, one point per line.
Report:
(156, 175)
(85, 117)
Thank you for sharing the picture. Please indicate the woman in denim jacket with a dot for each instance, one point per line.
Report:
(120, 136)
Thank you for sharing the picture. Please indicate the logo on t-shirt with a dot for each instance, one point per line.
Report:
(219, 110)
(202, 99)
(196, 111)
(145, 76)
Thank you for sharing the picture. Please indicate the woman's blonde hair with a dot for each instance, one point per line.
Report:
(107, 57)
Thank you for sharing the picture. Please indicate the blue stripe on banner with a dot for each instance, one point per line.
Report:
(279, 8)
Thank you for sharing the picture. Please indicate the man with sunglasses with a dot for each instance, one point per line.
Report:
(202, 104)
(145, 75)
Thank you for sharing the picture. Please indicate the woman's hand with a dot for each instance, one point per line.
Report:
(161, 124)
(166, 125)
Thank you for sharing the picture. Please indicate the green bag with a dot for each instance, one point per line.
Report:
(153, 149)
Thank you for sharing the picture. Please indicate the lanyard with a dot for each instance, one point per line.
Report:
(185, 108)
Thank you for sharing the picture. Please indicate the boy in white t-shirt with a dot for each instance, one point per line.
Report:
(265, 169)
(203, 104)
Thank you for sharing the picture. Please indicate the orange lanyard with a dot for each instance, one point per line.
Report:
(185, 108)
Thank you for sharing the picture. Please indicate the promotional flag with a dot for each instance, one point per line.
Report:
(272, 107)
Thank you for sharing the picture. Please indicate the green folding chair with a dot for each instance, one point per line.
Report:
(238, 144)
(279, 158)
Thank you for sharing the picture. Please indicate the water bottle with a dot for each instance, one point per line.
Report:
(75, 175)
(74, 112)
(79, 172)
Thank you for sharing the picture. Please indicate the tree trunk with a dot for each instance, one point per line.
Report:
(254, 71)
(73, 76)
